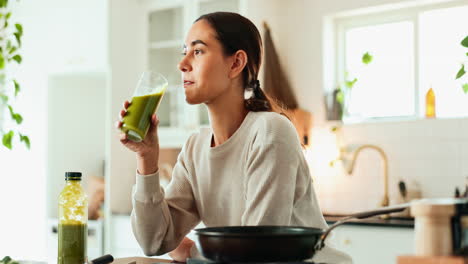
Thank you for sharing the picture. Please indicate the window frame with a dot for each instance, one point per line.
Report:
(372, 16)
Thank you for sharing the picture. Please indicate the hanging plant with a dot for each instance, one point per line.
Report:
(344, 89)
(462, 71)
(10, 43)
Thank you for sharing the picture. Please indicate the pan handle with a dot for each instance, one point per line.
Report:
(361, 215)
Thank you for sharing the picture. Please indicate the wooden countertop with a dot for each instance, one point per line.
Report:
(431, 260)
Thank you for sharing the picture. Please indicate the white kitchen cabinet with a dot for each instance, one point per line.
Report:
(168, 21)
(371, 244)
(123, 241)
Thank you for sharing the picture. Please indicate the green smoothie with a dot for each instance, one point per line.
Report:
(138, 118)
(72, 243)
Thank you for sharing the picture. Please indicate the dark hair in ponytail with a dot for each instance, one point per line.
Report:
(236, 32)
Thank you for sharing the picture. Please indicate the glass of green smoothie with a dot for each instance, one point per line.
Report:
(145, 101)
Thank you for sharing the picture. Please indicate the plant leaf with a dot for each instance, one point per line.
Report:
(465, 42)
(350, 84)
(8, 15)
(19, 29)
(17, 58)
(12, 50)
(26, 141)
(15, 116)
(461, 72)
(18, 118)
(18, 38)
(17, 87)
(366, 58)
(2, 62)
(465, 88)
(3, 3)
(4, 97)
(6, 259)
(340, 97)
(7, 138)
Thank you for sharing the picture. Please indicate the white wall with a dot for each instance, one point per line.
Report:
(59, 37)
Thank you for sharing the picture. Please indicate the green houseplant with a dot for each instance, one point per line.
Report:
(10, 43)
(345, 88)
(462, 71)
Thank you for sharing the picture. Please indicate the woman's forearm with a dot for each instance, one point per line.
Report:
(147, 164)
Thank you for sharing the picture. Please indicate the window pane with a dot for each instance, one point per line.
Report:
(441, 56)
(385, 86)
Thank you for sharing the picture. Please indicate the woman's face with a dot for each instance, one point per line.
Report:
(205, 68)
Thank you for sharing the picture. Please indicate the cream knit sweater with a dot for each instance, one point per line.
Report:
(257, 177)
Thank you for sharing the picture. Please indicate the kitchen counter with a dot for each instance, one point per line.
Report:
(374, 221)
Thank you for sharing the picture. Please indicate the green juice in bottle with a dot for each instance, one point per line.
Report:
(72, 223)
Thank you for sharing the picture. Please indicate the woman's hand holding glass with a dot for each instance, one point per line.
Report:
(147, 150)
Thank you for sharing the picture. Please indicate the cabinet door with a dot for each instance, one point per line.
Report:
(124, 243)
(165, 36)
(370, 245)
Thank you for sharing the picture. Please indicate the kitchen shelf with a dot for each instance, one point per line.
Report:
(166, 25)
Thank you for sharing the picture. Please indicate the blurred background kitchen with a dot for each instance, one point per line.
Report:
(359, 72)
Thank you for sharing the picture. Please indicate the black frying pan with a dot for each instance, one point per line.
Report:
(270, 243)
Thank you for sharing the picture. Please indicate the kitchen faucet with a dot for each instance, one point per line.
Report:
(385, 200)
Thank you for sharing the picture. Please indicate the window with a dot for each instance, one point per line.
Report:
(387, 61)
(441, 55)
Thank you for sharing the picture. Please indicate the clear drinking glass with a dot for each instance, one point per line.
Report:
(145, 101)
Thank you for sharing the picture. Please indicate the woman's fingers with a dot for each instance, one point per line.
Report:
(122, 113)
(155, 119)
(126, 104)
(123, 136)
(154, 124)
(118, 124)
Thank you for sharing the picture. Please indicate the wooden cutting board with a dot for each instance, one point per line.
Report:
(431, 260)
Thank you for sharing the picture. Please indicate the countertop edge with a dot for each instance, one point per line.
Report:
(374, 221)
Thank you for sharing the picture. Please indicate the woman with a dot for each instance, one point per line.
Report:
(247, 169)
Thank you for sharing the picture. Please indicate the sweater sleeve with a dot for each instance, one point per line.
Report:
(272, 169)
(160, 220)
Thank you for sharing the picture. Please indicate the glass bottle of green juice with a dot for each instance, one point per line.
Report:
(72, 222)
